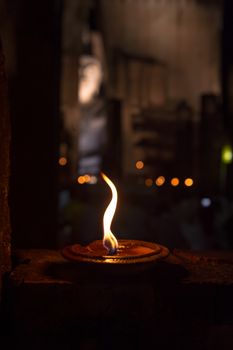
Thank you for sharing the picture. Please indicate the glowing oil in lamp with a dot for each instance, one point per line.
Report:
(112, 251)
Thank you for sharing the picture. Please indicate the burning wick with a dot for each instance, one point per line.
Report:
(109, 240)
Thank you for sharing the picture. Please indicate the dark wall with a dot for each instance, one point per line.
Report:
(34, 92)
(4, 172)
(227, 82)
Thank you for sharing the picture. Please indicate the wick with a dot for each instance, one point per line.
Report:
(112, 251)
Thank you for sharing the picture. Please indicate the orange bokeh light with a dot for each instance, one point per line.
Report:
(139, 164)
(160, 180)
(81, 180)
(175, 181)
(148, 182)
(62, 161)
(87, 178)
(188, 182)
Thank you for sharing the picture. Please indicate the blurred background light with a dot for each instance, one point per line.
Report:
(81, 180)
(227, 154)
(206, 202)
(148, 182)
(139, 164)
(160, 181)
(62, 161)
(188, 182)
(175, 181)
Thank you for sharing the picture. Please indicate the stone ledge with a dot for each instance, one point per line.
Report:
(187, 296)
(48, 266)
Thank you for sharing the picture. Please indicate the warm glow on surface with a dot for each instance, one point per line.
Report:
(139, 164)
(109, 240)
(175, 181)
(62, 161)
(81, 180)
(148, 182)
(160, 180)
(188, 182)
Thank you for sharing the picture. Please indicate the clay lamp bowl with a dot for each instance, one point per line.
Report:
(131, 256)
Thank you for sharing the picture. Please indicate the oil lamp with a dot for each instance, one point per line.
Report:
(112, 253)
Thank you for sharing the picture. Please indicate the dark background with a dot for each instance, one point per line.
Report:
(35, 38)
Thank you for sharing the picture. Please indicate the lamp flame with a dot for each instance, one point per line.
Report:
(109, 240)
